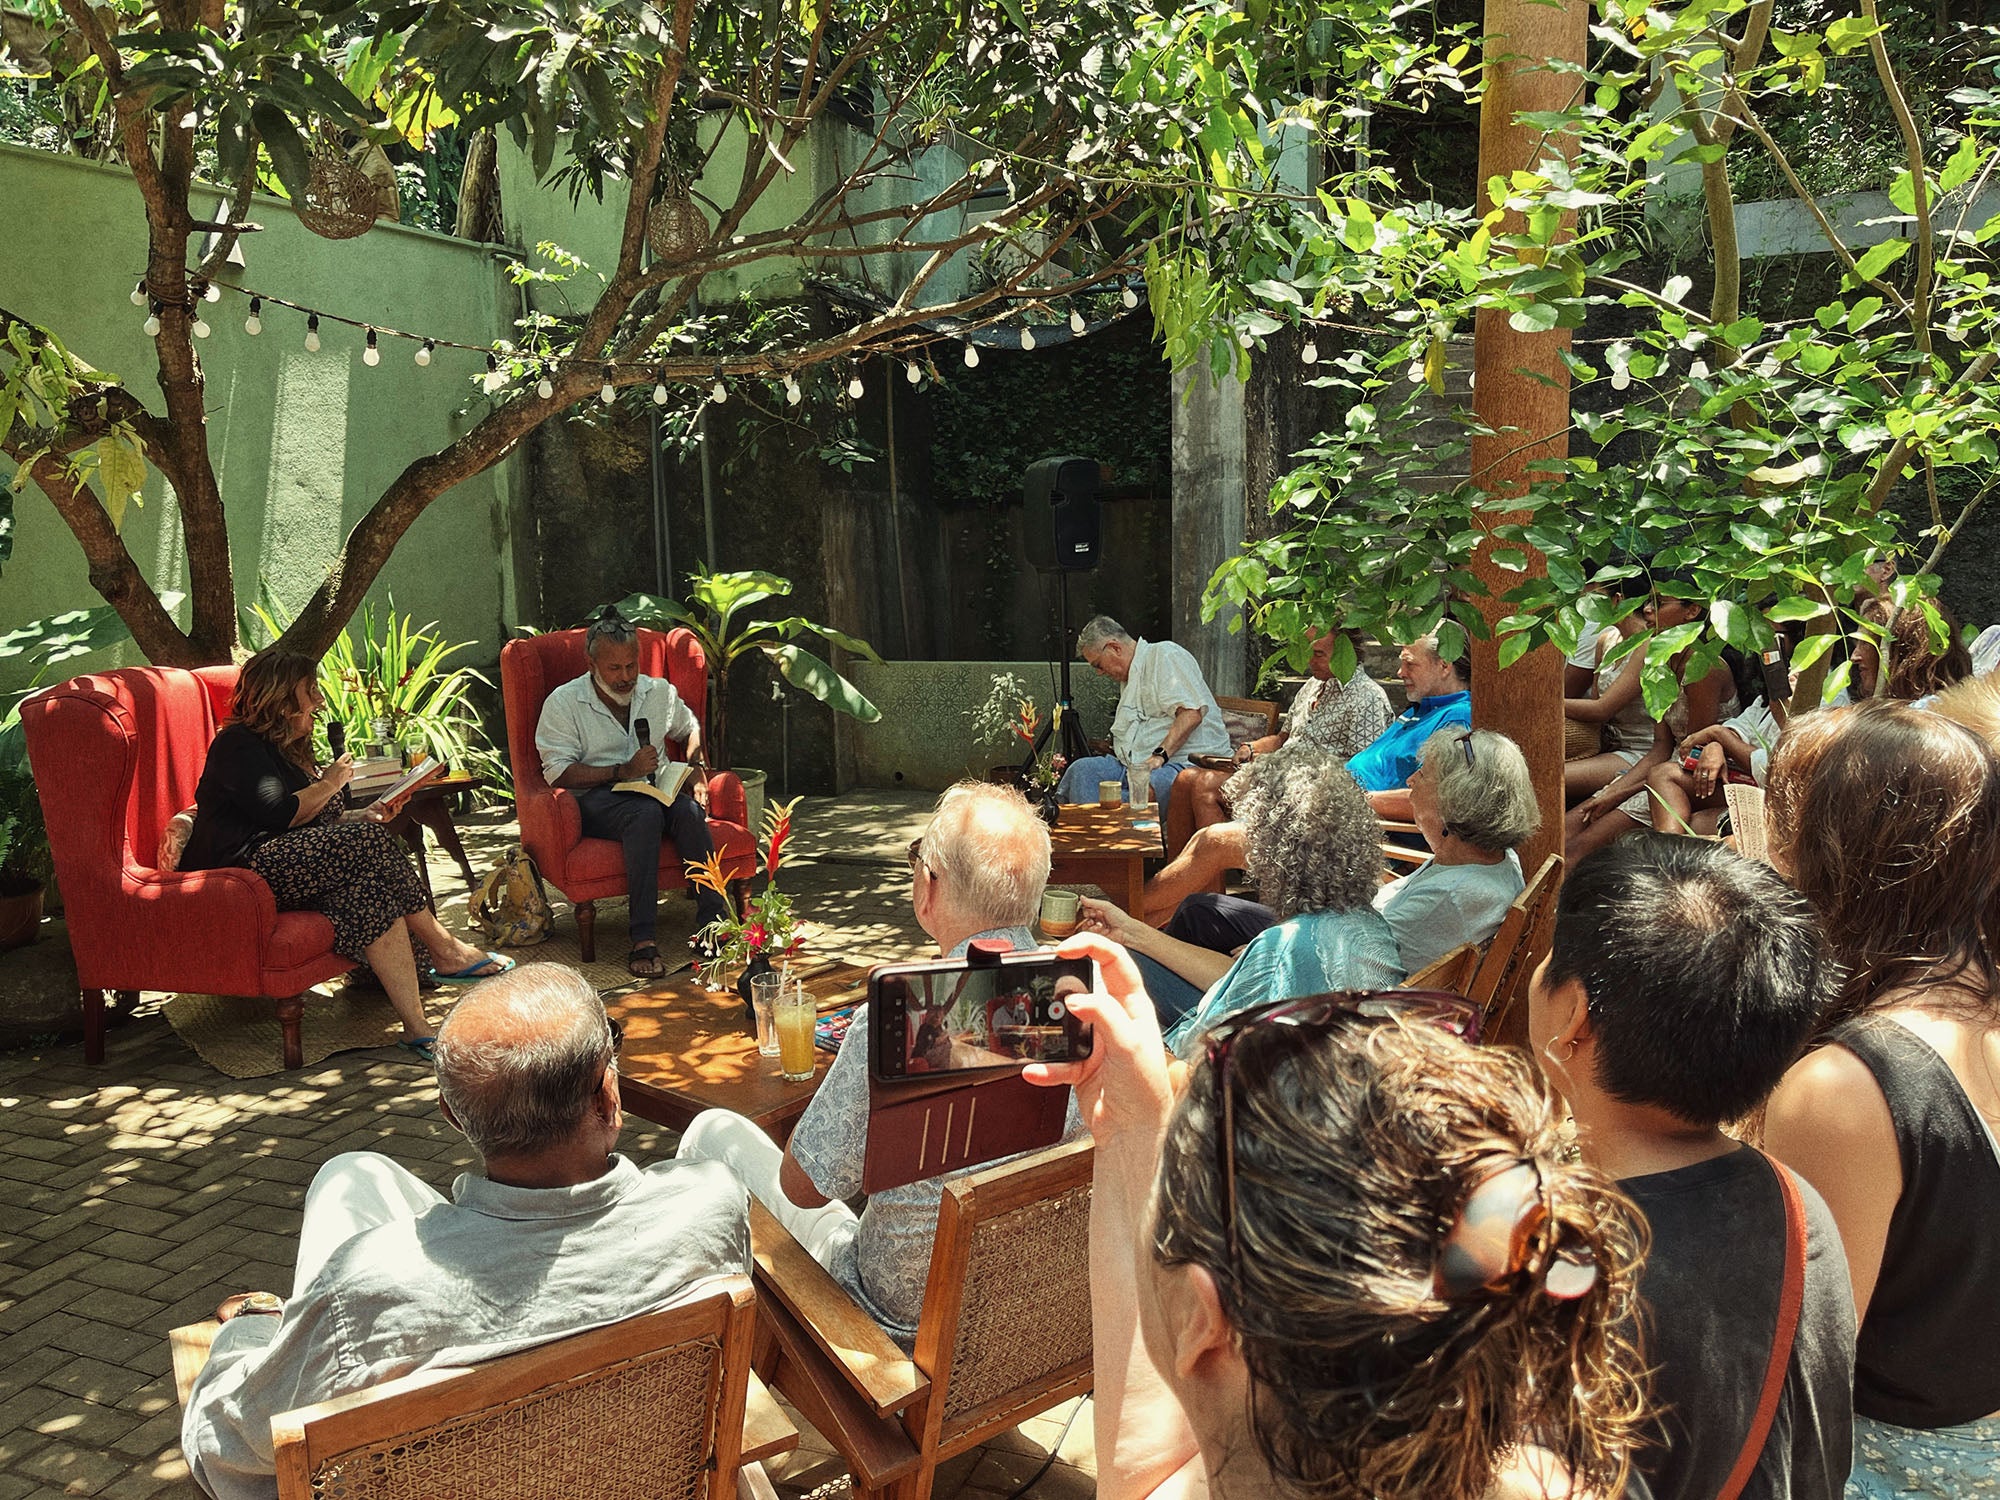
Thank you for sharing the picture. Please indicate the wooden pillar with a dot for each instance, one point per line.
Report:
(1521, 388)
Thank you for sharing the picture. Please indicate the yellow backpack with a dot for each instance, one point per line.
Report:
(511, 908)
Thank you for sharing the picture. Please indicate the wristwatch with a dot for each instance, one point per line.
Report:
(1161, 751)
(261, 1302)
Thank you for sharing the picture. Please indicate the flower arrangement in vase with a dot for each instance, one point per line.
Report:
(1043, 768)
(766, 930)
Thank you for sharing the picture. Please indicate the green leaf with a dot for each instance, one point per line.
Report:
(1878, 258)
(1343, 660)
(1850, 32)
(807, 672)
(1794, 608)
(287, 150)
(1732, 622)
(1958, 171)
(1536, 317)
(121, 469)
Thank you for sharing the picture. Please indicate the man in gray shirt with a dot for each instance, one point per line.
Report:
(977, 872)
(558, 1234)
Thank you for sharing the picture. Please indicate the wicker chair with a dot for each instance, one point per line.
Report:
(1005, 1332)
(661, 1405)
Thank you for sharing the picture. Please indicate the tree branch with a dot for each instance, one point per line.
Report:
(113, 573)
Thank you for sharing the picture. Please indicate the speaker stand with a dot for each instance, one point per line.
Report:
(1074, 745)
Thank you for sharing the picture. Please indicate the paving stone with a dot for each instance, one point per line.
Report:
(19, 1409)
(152, 1436)
(121, 1275)
(16, 1486)
(94, 1379)
(74, 1470)
(86, 1424)
(108, 1341)
(28, 1310)
(18, 1374)
(152, 1397)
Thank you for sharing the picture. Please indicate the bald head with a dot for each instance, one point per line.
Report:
(520, 1057)
(989, 855)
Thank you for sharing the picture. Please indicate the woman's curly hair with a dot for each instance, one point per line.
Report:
(1356, 1144)
(267, 689)
(1314, 843)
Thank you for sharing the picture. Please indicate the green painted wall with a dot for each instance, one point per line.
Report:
(303, 443)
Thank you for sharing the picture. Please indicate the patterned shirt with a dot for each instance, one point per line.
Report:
(1342, 719)
(1308, 954)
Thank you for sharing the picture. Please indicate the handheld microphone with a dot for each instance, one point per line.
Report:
(336, 738)
(644, 730)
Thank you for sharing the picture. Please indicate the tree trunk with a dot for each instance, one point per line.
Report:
(1521, 391)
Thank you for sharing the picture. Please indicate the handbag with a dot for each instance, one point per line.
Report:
(511, 906)
(1791, 1298)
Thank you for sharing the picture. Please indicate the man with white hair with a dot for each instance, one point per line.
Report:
(554, 1235)
(1166, 714)
(977, 873)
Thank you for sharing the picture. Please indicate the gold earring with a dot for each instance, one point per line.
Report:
(1570, 1055)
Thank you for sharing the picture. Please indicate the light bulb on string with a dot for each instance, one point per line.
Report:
(152, 323)
(1955, 331)
(210, 292)
(719, 392)
(1076, 323)
(312, 333)
(609, 392)
(660, 389)
(545, 387)
(197, 326)
(1309, 354)
(371, 354)
(254, 324)
(1698, 370)
(793, 395)
(1415, 373)
(494, 379)
(971, 355)
(1621, 378)
(1129, 297)
(1246, 339)
(1027, 337)
(424, 351)
(139, 293)
(855, 387)
(912, 371)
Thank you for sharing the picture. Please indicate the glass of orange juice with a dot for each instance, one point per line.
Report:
(795, 1015)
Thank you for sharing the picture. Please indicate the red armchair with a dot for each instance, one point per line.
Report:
(116, 755)
(589, 870)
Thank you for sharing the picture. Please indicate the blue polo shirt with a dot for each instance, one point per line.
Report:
(1387, 764)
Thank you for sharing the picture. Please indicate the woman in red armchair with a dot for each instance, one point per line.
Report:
(263, 804)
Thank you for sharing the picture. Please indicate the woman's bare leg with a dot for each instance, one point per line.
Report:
(395, 964)
(449, 953)
(1581, 839)
(1672, 797)
(1209, 855)
(1589, 774)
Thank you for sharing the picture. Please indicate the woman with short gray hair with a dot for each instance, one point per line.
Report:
(1473, 801)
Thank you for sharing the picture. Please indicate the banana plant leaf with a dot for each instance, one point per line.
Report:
(809, 674)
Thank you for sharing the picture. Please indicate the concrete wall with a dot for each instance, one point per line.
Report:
(303, 443)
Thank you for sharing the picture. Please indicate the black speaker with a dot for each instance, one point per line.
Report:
(1059, 496)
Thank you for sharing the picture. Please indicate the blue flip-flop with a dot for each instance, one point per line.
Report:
(421, 1045)
(467, 975)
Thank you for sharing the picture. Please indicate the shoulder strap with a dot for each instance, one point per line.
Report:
(1791, 1298)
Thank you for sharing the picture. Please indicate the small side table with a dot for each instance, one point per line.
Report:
(430, 807)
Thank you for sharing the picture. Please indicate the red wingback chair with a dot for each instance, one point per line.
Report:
(588, 870)
(115, 755)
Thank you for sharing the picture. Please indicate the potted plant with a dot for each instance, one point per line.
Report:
(1007, 714)
(714, 604)
(24, 840)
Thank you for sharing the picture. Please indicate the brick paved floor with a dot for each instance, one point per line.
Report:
(135, 1195)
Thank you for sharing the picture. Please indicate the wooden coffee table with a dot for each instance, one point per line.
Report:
(1095, 845)
(688, 1049)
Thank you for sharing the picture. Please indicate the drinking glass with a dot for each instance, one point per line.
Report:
(1139, 785)
(795, 1016)
(764, 992)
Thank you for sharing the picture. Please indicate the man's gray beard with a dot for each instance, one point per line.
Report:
(623, 700)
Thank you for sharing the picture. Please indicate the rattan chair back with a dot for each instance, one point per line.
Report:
(647, 1409)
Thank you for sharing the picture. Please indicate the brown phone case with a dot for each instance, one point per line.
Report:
(926, 1127)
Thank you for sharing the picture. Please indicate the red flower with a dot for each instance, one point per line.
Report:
(778, 817)
(755, 935)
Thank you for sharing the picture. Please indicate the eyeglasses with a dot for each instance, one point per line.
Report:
(1465, 744)
(1315, 1015)
(617, 1032)
(916, 858)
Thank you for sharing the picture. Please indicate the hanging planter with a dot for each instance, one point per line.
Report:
(340, 200)
(675, 228)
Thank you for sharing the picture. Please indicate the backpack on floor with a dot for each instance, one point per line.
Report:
(511, 908)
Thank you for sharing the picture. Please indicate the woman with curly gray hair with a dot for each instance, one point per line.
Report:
(1313, 847)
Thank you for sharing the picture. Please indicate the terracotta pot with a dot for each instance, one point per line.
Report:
(20, 910)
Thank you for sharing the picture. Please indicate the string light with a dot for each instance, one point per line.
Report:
(545, 387)
(1027, 337)
(1309, 355)
(609, 392)
(719, 392)
(793, 395)
(912, 372)
(198, 327)
(312, 333)
(372, 354)
(254, 324)
(971, 355)
(1698, 370)
(660, 389)
(425, 350)
(854, 386)
(1076, 324)
(1129, 297)
(1247, 339)
(139, 293)
(494, 380)
(152, 323)
(210, 292)
(1621, 378)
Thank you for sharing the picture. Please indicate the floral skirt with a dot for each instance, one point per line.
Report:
(1936, 1463)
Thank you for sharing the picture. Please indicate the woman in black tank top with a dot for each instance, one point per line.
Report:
(1887, 817)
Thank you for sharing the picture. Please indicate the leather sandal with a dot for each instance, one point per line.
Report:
(644, 962)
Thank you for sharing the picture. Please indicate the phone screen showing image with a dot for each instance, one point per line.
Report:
(952, 1019)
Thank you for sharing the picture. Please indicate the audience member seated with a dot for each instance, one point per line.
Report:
(977, 872)
(1440, 698)
(1688, 790)
(264, 804)
(1354, 1258)
(1919, 670)
(1166, 714)
(1314, 852)
(1613, 705)
(1887, 818)
(1623, 806)
(1474, 803)
(1681, 982)
(555, 1233)
(588, 739)
(1342, 717)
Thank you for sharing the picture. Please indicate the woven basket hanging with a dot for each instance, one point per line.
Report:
(675, 229)
(340, 200)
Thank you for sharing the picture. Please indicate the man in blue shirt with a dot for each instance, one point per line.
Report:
(1440, 694)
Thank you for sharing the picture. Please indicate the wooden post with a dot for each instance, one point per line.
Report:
(1521, 388)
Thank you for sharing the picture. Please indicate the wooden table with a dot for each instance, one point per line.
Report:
(430, 807)
(688, 1049)
(1094, 845)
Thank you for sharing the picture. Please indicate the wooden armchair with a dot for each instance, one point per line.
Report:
(660, 1404)
(1245, 719)
(1005, 1331)
(1519, 943)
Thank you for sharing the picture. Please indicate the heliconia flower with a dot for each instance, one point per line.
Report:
(1026, 723)
(778, 826)
(707, 873)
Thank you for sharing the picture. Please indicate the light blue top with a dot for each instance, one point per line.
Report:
(1303, 955)
(1436, 907)
(1387, 764)
(576, 729)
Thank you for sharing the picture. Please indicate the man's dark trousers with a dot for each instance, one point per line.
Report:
(638, 823)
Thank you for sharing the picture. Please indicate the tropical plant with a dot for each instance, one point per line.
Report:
(766, 926)
(388, 668)
(714, 603)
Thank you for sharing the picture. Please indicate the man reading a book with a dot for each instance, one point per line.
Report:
(609, 726)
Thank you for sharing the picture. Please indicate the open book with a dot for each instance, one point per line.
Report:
(669, 778)
(425, 770)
